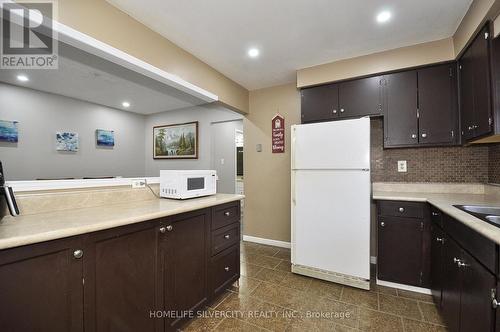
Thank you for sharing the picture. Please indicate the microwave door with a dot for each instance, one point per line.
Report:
(195, 183)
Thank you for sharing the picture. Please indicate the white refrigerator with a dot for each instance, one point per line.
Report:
(331, 193)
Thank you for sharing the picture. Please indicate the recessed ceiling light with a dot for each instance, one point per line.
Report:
(22, 78)
(126, 104)
(253, 52)
(384, 16)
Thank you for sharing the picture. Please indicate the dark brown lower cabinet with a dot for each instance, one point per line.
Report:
(400, 250)
(184, 252)
(476, 312)
(403, 243)
(437, 251)
(450, 304)
(41, 287)
(465, 284)
(147, 276)
(121, 279)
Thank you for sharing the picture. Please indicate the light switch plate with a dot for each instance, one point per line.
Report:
(222, 161)
(258, 147)
(402, 166)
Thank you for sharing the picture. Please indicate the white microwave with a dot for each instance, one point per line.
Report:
(182, 184)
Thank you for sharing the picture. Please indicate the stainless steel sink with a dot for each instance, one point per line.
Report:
(494, 219)
(481, 209)
(490, 214)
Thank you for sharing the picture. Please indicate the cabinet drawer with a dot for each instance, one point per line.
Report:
(437, 216)
(477, 245)
(225, 268)
(225, 214)
(401, 209)
(225, 237)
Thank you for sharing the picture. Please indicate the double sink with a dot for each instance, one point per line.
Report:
(486, 213)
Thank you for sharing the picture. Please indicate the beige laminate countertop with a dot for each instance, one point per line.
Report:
(445, 202)
(29, 229)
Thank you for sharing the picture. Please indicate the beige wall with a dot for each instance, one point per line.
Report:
(478, 13)
(267, 175)
(416, 55)
(106, 23)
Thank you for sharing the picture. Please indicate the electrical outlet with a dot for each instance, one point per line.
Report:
(138, 183)
(402, 166)
(222, 161)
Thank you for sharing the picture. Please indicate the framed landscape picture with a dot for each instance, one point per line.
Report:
(8, 131)
(67, 141)
(177, 141)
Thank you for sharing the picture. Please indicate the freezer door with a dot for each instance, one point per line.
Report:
(331, 221)
(332, 145)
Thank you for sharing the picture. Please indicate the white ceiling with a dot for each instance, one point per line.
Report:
(90, 78)
(291, 34)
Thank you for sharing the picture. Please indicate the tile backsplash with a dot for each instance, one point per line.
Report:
(471, 164)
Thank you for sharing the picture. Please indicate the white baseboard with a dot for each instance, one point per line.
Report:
(404, 287)
(269, 242)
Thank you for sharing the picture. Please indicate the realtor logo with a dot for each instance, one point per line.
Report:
(28, 40)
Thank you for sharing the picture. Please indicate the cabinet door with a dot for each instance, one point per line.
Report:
(320, 103)
(41, 287)
(438, 111)
(361, 97)
(482, 84)
(400, 100)
(400, 250)
(120, 270)
(437, 272)
(476, 312)
(467, 94)
(450, 302)
(185, 254)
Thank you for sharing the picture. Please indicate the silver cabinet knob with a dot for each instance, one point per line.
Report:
(78, 254)
(424, 135)
(470, 128)
(226, 236)
(414, 136)
(462, 264)
(382, 224)
(438, 239)
(169, 228)
(435, 214)
(401, 209)
(163, 229)
(342, 110)
(334, 111)
(226, 269)
(456, 260)
(227, 213)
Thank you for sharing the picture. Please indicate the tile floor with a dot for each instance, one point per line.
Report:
(269, 297)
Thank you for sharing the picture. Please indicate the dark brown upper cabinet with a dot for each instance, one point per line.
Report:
(438, 105)
(421, 107)
(475, 87)
(360, 97)
(320, 103)
(348, 99)
(400, 118)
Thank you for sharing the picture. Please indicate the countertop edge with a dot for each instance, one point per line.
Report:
(18, 241)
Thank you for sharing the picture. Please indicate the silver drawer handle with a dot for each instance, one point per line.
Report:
(401, 209)
(226, 236)
(334, 111)
(414, 136)
(78, 254)
(438, 239)
(382, 224)
(163, 229)
(169, 228)
(424, 135)
(227, 213)
(226, 269)
(342, 110)
(456, 260)
(462, 264)
(435, 214)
